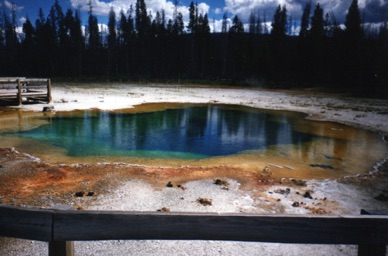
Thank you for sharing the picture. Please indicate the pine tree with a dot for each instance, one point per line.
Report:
(94, 34)
(224, 28)
(193, 18)
(353, 52)
(353, 29)
(259, 26)
(204, 26)
(131, 23)
(39, 23)
(29, 32)
(10, 29)
(178, 26)
(305, 21)
(317, 30)
(252, 22)
(158, 23)
(279, 23)
(55, 21)
(112, 36)
(28, 48)
(78, 42)
(265, 27)
(141, 19)
(237, 26)
(122, 35)
(69, 28)
(1, 32)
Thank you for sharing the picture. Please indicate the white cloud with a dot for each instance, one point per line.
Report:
(103, 8)
(216, 26)
(22, 20)
(242, 8)
(203, 8)
(371, 10)
(10, 6)
(19, 30)
(98, 7)
(218, 11)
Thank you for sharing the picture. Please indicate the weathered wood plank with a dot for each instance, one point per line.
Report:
(26, 223)
(49, 96)
(53, 225)
(37, 80)
(10, 86)
(234, 227)
(10, 79)
(36, 89)
(8, 95)
(20, 99)
(26, 94)
(61, 248)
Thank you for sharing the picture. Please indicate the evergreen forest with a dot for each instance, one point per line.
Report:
(137, 46)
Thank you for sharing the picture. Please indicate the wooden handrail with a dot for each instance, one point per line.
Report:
(41, 89)
(59, 226)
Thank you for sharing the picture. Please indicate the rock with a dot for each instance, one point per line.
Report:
(204, 201)
(48, 109)
(221, 182)
(300, 183)
(283, 191)
(307, 195)
(79, 194)
(295, 204)
(164, 209)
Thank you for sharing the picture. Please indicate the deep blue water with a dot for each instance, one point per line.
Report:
(188, 133)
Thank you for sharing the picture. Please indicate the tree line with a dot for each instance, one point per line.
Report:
(139, 46)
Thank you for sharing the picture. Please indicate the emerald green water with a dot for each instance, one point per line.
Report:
(176, 135)
(188, 133)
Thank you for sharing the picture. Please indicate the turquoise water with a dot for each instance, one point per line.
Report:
(194, 132)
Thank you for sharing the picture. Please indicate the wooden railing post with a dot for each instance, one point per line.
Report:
(61, 248)
(368, 249)
(20, 99)
(49, 98)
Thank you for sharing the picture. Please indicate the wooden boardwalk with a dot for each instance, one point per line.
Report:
(61, 227)
(21, 90)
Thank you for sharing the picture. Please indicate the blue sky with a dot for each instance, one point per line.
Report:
(373, 11)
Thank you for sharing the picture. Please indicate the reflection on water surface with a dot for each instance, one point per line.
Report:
(209, 132)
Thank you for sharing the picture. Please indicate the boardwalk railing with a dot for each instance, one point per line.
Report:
(60, 228)
(25, 89)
